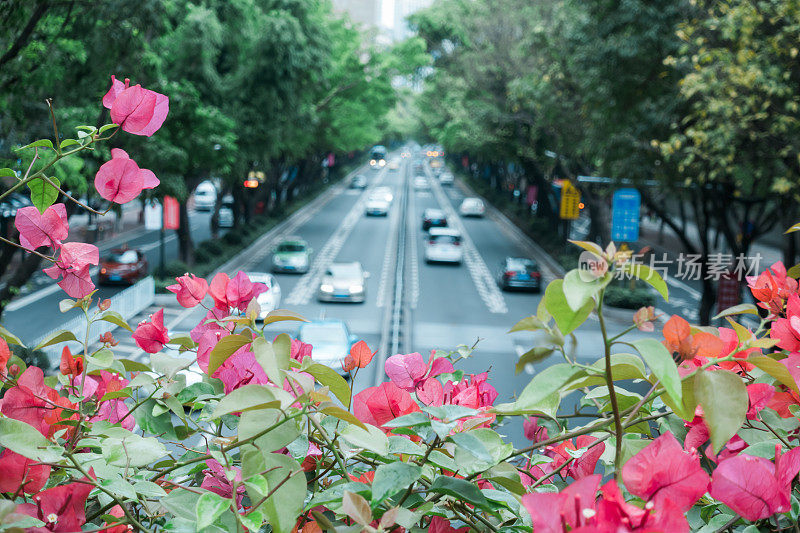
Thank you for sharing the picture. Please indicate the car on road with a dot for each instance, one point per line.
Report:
(519, 273)
(446, 178)
(331, 341)
(421, 183)
(433, 218)
(13, 202)
(382, 192)
(226, 212)
(472, 207)
(291, 255)
(359, 181)
(394, 164)
(271, 298)
(377, 207)
(205, 196)
(443, 246)
(343, 282)
(122, 266)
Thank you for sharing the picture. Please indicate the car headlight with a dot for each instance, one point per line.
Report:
(356, 289)
(326, 288)
(382, 162)
(372, 162)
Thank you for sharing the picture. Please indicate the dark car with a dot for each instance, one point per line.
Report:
(520, 273)
(359, 181)
(122, 266)
(433, 218)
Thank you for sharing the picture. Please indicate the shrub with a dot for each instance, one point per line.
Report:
(627, 298)
(31, 357)
(175, 269)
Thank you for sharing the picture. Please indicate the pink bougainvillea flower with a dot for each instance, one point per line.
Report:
(205, 344)
(580, 467)
(614, 515)
(643, 318)
(759, 395)
(473, 390)
(574, 506)
(61, 508)
(138, 111)
(151, 336)
(359, 357)
(299, 350)
(663, 471)
(749, 486)
(234, 292)
(120, 180)
(215, 480)
(190, 290)
(679, 339)
(408, 371)
(73, 265)
(5, 355)
(70, 365)
(21, 474)
(533, 431)
(30, 400)
(240, 369)
(772, 288)
(787, 330)
(730, 342)
(366, 477)
(442, 525)
(378, 405)
(42, 229)
(431, 392)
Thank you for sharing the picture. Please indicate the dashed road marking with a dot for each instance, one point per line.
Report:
(389, 256)
(414, 256)
(480, 273)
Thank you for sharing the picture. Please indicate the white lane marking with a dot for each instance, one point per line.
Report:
(389, 256)
(694, 293)
(480, 273)
(306, 286)
(414, 259)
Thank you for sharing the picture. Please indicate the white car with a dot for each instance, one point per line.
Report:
(343, 282)
(377, 207)
(421, 183)
(205, 196)
(443, 245)
(331, 341)
(382, 192)
(271, 298)
(446, 178)
(472, 207)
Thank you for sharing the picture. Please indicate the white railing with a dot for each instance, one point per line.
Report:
(128, 303)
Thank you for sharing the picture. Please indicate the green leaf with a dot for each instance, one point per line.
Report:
(484, 445)
(115, 318)
(331, 379)
(279, 315)
(7, 173)
(210, 506)
(578, 291)
(107, 127)
(357, 508)
(740, 309)
(556, 303)
(662, 365)
(103, 358)
(286, 502)
(148, 489)
(252, 520)
(251, 396)
(41, 143)
(9, 337)
(460, 489)
(341, 414)
(649, 276)
(43, 194)
(545, 383)
(774, 368)
(67, 305)
(723, 397)
(373, 439)
(393, 477)
(56, 337)
(224, 349)
(531, 323)
(68, 142)
(168, 365)
(132, 450)
(534, 355)
(254, 422)
(134, 366)
(25, 440)
(122, 393)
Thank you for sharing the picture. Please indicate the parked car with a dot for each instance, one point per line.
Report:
(421, 183)
(519, 273)
(359, 181)
(343, 282)
(433, 218)
(226, 212)
(331, 341)
(291, 255)
(377, 207)
(122, 265)
(271, 298)
(472, 207)
(205, 196)
(446, 178)
(443, 246)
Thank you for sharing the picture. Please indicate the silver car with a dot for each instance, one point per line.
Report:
(446, 178)
(270, 299)
(443, 245)
(343, 282)
(331, 342)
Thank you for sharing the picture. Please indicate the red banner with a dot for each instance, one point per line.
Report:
(727, 292)
(172, 216)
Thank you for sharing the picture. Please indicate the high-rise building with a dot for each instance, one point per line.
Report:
(366, 12)
(402, 9)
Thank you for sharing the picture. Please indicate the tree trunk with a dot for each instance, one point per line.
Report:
(185, 244)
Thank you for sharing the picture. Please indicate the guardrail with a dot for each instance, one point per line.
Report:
(128, 303)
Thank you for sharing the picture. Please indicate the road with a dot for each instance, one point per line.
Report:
(441, 307)
(43, 302)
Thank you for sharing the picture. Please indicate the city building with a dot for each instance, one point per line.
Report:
(402, 9)
(366, 12)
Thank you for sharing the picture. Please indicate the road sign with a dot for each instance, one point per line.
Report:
(152, 215)
(172, 217)
(625, 215)
(570, 198)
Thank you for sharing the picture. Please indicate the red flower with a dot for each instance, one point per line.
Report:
(787, 330)
(5, 355)
(730, 343)
(299, 350)
(73, 264)
(36, 404)
(442, 525)
(236, 292)
(378, 405)
(138, 111)
(471, 391)
(61, 508)
(759, 395)
(216, 481)
(120, 180)
(360, 356)
(408, 371)
(580, 467)
(574, 506)
(772, 288)
(21, 474)
(42, 229)
(366, 477)
(663, 471)
(190, 290)
(678, 338)
(151, 336)
(119, 513)
(70, 366)
(533, 431)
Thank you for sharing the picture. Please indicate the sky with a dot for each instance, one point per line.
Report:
(387, 13)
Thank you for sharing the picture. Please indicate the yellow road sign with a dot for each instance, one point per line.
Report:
(570, 200)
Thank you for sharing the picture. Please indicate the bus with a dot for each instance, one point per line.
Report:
(377, 157)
